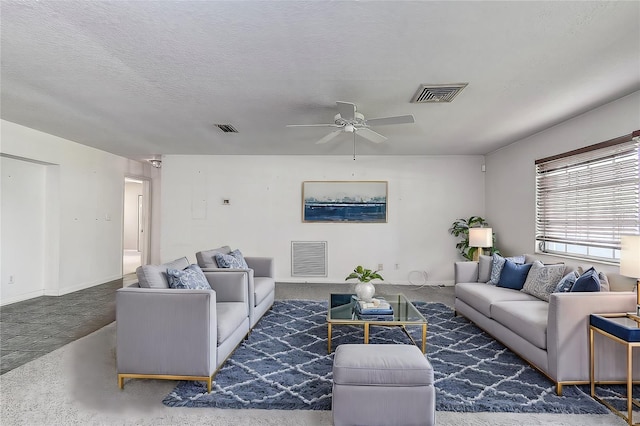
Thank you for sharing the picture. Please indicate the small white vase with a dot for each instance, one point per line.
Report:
(365, 291)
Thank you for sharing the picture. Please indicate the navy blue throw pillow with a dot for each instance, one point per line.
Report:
(588, 281)
(514, 275)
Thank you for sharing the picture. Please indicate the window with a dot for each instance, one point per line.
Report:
(587, 198)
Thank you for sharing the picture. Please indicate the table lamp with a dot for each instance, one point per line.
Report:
(480, 237)
(630, 262)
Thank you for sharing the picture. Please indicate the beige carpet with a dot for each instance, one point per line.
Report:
(76, 385)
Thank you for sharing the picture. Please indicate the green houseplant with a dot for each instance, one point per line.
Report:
(364, 289)
(460, 228)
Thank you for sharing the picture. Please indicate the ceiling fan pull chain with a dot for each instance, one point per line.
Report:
(354, 145)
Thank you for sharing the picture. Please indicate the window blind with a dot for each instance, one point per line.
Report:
(589, 197)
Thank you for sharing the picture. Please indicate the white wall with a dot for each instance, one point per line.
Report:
(23, 229)
(426, 194)
(85, 193)
(510, 176)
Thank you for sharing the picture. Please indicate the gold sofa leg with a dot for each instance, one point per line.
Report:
(208, 380)
(559, 389)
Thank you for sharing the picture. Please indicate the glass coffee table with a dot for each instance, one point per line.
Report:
(341, 312)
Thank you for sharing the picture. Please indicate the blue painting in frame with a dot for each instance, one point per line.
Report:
(344, 201)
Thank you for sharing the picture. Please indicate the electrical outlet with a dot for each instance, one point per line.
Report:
(11, 280)
(380, 266)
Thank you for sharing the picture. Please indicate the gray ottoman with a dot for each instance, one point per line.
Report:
(382, 385)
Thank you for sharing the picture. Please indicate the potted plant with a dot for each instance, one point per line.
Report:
(460, 228)
(364, 289)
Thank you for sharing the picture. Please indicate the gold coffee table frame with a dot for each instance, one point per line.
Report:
(404, 314)
(629, 382)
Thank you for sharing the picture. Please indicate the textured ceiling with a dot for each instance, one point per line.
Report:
(141, 78)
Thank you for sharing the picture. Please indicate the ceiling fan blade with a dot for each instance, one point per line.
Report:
(371, 135)
(329, 137)
(383, 121)
(313, 125)
(347, 110)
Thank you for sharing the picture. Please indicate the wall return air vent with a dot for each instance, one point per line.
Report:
(308, 258)
(435, 93)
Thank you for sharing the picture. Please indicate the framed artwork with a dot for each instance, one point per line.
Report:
(344, 201)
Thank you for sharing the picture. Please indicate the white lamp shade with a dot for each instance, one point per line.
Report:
(480, 237)
(630, 256)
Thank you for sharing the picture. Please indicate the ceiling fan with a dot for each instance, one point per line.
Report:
(350, 121)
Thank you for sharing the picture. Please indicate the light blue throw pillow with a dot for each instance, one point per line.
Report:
(191, 277)
(565, 284)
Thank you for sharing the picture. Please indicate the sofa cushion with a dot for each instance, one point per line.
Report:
(205, 257)
(513, 275)
(604, 282)
(588, 281)
(526, 319)
(229, 317)
(542, 280)
(566, 282)
(263, 286)
(191, 277)
(155, 276)
(481, 296)
(484, 268)
(381, 365)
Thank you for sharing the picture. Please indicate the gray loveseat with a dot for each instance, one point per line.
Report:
(260, 278)
(179, 334)
(551, 336)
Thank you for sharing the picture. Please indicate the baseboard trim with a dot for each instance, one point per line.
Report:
(22, 297)
(81, 286)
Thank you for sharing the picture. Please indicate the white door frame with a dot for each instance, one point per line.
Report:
(145, 230)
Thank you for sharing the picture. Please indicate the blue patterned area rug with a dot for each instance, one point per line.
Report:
(284, 365)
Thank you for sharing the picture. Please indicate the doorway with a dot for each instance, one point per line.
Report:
(135, 238)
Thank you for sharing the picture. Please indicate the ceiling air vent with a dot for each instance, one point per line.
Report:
(437, 92)
(227, 128)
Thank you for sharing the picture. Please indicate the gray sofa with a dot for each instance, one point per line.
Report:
(179, 334)
(551, 336)
(260, 279)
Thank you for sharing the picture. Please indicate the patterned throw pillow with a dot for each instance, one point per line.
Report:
(497, 263)
(542, 280)
(565, 284)
(240, 258)
(191, 277)
(233, 260)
